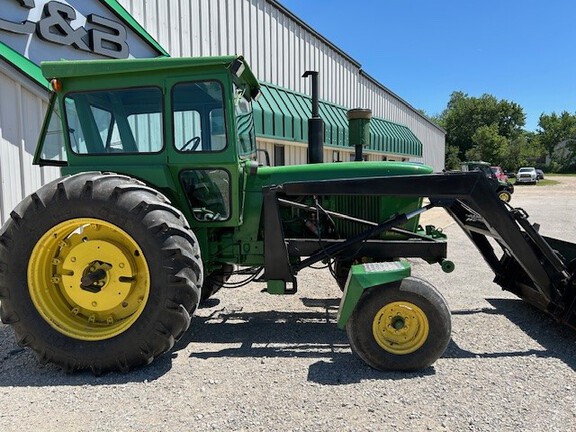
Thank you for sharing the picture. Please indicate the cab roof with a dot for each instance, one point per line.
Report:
(90, 68)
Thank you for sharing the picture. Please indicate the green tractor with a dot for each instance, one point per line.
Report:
(161, 202)
(504, 189)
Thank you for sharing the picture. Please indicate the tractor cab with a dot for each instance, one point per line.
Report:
(192, 132)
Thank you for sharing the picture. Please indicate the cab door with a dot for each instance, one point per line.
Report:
(202, 154)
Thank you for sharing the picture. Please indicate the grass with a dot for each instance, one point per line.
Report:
(545, 182)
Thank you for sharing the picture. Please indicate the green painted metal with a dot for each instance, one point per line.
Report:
(22, 64)
(281, 174)
(238, 238)
(364, 276)
(359, 125)
(170, 65)
(248, 234)
(276, 287)
(162, 169)
(282, 114)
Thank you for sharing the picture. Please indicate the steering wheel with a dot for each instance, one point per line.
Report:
(193, 143)
(206, 215)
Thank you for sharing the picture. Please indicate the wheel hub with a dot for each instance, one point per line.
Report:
(88, 278)
(107, 283)
(400, 327)
(93, 280)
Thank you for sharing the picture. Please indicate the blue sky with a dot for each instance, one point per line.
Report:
(522, 51)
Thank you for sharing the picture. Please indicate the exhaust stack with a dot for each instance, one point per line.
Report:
(315, 124)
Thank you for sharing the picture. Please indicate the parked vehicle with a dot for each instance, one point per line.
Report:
(504, 189)
(527, 175)
(499, 173)
(540, 174)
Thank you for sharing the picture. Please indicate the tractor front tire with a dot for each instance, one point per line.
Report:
(401, 326)
(342, 267)
(99, 272)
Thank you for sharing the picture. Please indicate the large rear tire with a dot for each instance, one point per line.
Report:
(99, 272)
(402, 326)
(215, 280)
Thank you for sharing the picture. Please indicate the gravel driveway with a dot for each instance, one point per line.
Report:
(255, 362)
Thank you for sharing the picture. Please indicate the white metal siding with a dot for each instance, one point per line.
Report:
(279, 49)
(297, 153)
(278, 46)
(21, 115)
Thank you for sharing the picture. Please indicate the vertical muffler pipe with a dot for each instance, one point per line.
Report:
(359, 130)
(315, 124)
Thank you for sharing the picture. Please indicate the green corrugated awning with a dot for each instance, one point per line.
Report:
(282, 114)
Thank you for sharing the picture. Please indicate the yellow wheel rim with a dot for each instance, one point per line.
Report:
(400, 327)
(88, 279)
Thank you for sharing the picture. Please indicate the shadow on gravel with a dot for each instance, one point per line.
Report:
(558, 341)
(310, 334)
(19, 368)
(349, 369)
(289, 335)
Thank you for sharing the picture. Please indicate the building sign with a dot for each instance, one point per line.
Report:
(74, 30)
(54, 23)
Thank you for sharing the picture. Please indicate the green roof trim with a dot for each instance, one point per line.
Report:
(32, 70)
(283, 114)
(22, 64)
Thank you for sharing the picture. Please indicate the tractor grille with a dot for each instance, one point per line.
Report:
(362, 207)
(371, 208)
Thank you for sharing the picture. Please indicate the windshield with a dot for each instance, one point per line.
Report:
(115, 121)
(244, 124)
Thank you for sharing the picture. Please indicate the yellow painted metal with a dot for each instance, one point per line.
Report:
(400, 327)
(77, 248)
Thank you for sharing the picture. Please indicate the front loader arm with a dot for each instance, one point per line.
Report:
(530, 267)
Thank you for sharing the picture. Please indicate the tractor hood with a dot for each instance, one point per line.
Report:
(267, 176)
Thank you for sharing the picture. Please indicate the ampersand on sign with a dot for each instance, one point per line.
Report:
(55, 27)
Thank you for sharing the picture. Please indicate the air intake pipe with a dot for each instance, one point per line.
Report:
(315, 124)
(359, 130)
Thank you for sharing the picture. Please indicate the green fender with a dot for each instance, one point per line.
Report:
(364, 276)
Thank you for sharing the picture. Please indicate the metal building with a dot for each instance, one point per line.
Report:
(280, 47)
(277, 44)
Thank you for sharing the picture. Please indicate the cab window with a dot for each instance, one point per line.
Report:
(51, 148)
(115, 121)
(208, 193)
(198, 115)
(244, 123)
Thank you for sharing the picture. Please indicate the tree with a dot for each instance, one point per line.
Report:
(453, 162)
(555, 129)
(522, 151)
(490, 145)
(464, 115)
